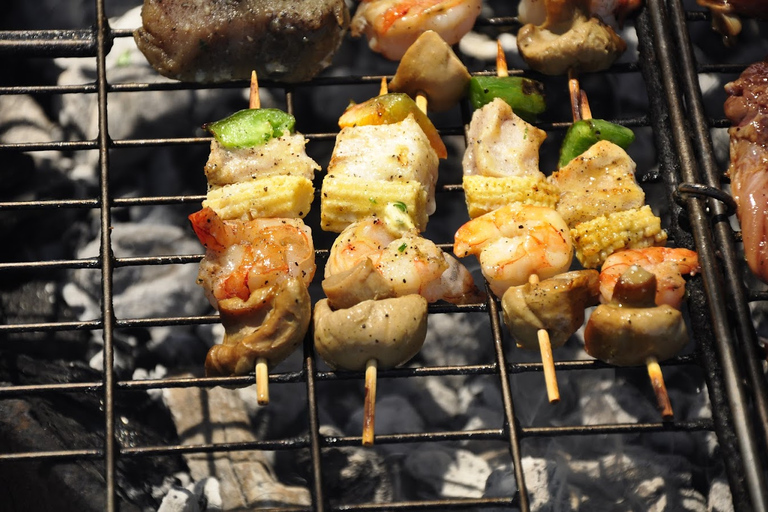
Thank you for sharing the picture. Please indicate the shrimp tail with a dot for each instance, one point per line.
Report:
(211, 230)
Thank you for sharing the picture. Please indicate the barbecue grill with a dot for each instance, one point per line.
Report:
(691, 193)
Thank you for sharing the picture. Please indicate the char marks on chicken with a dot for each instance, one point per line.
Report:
(220, 40)
(747, 108)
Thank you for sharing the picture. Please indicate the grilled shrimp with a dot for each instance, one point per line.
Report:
(244, 256)
(393, 25)
(514, 242)
(408, 262)
(666, 263)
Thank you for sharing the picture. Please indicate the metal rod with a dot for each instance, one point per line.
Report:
(697, 211)
(105, 253)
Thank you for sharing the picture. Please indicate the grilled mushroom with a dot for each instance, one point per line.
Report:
(556, 305)
(431, 68)
(631, 329)
(569, 39)
(389, 331)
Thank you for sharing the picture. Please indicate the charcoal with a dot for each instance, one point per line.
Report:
(75, 421)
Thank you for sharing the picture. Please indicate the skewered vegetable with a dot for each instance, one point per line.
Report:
(524, 95)
(430, 68)
(585, 133)
(569, 39)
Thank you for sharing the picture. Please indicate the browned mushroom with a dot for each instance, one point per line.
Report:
(556, 305)
(431, 68)
(569, 39)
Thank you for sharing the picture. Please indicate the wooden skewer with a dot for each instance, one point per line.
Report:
(369, 408)
(253, 99)
(421, 102)
(383, 88)
(579, 102)
(262, 369)
(262, 381)
(659, 388)
(501, 61)
(545, 347)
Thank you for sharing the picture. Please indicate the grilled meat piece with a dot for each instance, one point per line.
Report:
(599, 182)
(747, 108)
(221, 40)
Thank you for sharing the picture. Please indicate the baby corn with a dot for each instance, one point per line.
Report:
(272, 197)
(598, 238)
(485, 193)
(347, 199)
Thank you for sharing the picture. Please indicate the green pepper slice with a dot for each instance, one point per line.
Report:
(525, 96)
(586, 132)
(392, 108)
(251, 127)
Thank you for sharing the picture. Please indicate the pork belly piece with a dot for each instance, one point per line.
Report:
(394, 152)
(284, 156)
(501, 144)
(221, 40)
(599, 182)
(747, 108)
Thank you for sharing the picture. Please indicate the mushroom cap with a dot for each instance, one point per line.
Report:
(556, 304)
(271, 323)
(628, 336)
(430, 67)
(391, 331)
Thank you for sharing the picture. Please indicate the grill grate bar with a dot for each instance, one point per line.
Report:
(724, 341)
(97, 42)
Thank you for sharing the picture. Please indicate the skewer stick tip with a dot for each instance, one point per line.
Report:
(421, 102)
(369, 408)
(262, 381)
(659, 388)
(547, 360)
(253, 99)
(501, 60)
(383, 88)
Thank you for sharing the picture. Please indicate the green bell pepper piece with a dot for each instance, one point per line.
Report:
(525, 96)
(251, 127)
(586, 132)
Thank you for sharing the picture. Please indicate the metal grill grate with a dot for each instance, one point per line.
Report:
(724, 335)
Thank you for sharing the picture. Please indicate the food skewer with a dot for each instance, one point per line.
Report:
(581, 111)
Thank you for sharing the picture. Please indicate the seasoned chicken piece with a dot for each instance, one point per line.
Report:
(501, 144)
(221, 40)
(569, 39)
(285, 155)
(430, 67)
(556, 304)
(390, 331)
(396, 152)
(599, 182)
